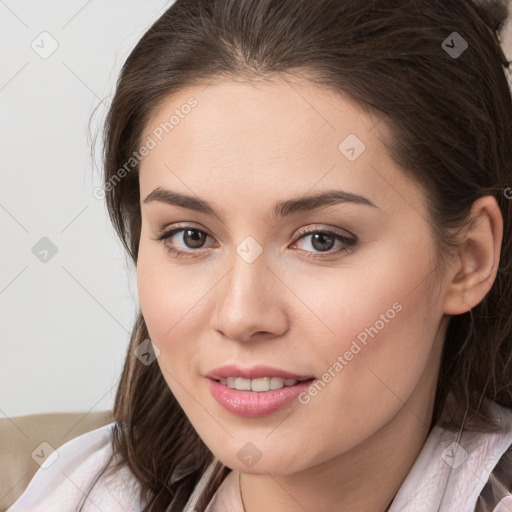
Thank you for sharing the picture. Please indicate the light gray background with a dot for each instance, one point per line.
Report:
(65, 323)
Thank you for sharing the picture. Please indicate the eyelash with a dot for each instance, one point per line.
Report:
(303, 233)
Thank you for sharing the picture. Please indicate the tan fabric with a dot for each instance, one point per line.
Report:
(21, 452)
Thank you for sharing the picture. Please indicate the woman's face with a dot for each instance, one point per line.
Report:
(342, 290)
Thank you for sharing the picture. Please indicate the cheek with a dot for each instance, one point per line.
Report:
(166, 293)
(154, 291)
(381, 319)
(377, 327)
(172, 303)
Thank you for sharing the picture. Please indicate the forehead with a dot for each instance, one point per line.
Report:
(259, 136)
(245, 118)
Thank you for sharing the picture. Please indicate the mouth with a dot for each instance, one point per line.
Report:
(260, 385)
(253, 398)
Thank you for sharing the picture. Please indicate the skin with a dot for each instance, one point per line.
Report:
(243, 148)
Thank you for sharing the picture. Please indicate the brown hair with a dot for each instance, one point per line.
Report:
(451, 124)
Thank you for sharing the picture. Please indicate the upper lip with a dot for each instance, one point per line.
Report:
(255, 372)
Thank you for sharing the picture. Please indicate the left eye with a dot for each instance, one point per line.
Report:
(193, 238)
(324, 241)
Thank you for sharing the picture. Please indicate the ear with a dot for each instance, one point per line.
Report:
(474, 269)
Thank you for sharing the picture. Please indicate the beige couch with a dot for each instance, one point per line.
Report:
(20, 445)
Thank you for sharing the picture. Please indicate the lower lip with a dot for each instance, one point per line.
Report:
(253, 404)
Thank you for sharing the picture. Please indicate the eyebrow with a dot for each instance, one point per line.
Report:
(281, 208)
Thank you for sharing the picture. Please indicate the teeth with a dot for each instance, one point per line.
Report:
(263, 384)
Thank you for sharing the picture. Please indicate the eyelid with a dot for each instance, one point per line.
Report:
(166, 231)
(321, 228)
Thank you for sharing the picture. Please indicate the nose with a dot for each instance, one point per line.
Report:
(250, 302)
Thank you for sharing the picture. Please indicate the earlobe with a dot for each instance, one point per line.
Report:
(474, 270)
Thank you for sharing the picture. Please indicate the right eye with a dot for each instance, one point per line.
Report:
(192, 237)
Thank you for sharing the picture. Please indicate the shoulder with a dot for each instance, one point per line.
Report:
(68, 475)
(452, 470)
(497, 491)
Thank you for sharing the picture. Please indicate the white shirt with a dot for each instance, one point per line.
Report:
(441, 479)
(61, 486)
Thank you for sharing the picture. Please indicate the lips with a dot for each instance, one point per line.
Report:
(255, 372)
(255, 404)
